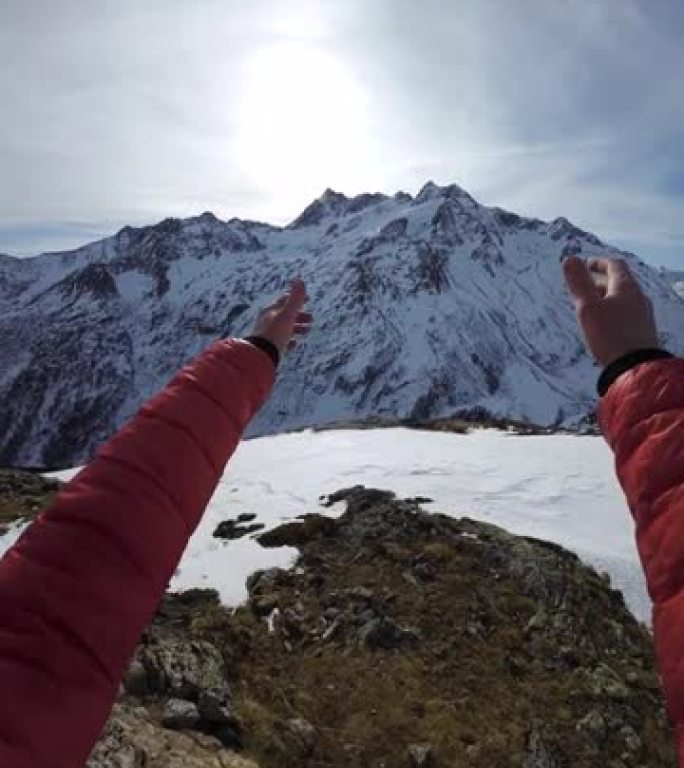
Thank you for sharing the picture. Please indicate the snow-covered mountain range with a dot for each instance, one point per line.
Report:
(425, 306)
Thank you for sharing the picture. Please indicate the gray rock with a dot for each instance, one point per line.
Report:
(631, 738)
(383, 633)
(420, 756)
(266, 581)
(424, 570)
(230, 529)
(229, 735)
(334, 631)
(133, 739)
(360, 594)
(180, 714)
(214, 707)
(409, 578)
(593, 726)
(632, 678)
(539, 621)
(604, 681)
(135, 680)
(302, 736)
(180, 668)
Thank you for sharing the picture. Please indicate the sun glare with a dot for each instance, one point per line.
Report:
(301, 119)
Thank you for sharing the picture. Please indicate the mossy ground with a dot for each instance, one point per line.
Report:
(490, 672)
(23, 495)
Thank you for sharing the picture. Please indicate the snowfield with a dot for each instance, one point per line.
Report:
(561, 488)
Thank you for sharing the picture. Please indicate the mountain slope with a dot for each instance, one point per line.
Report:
(675, 278)
(425, 306)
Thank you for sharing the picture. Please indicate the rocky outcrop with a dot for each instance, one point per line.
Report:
(399, 637)
(23, 495)
(243, 525)
(134, 739)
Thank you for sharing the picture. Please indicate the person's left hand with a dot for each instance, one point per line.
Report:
(284, 319)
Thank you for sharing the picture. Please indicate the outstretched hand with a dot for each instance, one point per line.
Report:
(615, 315)
(284, 320)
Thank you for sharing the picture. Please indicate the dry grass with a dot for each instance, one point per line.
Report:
(456, 691)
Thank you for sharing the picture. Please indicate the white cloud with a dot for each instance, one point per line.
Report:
(123, 112)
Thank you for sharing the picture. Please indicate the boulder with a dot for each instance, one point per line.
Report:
(180, 715)
(232, 529)
(383, 633)
(177, 667)
(133, 740)
(214, 707)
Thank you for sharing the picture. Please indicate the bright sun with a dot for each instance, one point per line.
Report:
(301, 119)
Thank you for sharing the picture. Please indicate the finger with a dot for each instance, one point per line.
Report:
(598, 265)
(302, 328)
(305, 317)
(607, 266)
(579, 280)
(292, 344)
(620, 277)
(296, 298)
(598, 269)
(280, 302)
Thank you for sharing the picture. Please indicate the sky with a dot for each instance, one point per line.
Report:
(121, 112)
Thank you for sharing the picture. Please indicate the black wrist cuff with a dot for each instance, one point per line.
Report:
(625, 363)
(265, 346)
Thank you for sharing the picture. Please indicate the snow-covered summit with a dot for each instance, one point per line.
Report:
(334, 205)
(425, 306)
(432, 191)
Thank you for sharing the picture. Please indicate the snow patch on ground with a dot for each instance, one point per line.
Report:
(561, 488)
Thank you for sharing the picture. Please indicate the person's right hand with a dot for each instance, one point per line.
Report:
(285, 319)
(615, 315)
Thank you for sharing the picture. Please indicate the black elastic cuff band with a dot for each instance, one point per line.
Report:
(626, 363)
(265, 346)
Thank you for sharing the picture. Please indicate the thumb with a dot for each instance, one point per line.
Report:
(296, 298)
(579, 280)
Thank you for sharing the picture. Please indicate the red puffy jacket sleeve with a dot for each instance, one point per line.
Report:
(82, 583)
(642, 417)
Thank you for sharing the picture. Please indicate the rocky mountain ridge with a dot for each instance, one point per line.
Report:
(426, 306)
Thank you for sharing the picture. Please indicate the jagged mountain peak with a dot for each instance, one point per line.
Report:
(330, 196)
(432, 191)
(425, 306)
(207, 219)
(333, 205)
(562, 228)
